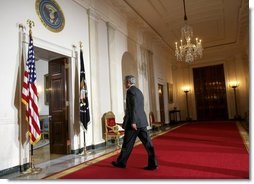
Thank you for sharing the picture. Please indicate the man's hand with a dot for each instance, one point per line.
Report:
(134, 126)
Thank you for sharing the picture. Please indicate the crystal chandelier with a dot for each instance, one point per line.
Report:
(188, 51)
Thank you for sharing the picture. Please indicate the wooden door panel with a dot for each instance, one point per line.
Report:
(210, 93)
(57, 106)
(57, 94)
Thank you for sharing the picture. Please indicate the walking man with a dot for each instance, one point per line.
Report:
(135, 123)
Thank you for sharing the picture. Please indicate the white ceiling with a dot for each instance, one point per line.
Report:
(46, 54)
(216, 22)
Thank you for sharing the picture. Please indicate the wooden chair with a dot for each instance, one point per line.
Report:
(112, 129)
(153, 123)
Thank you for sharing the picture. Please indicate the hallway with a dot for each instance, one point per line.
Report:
(68, 161)
(76, 54)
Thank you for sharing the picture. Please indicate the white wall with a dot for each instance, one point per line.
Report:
(103, 74)
(122, 37)
(41, 71)
(75, 30)
(163, 75)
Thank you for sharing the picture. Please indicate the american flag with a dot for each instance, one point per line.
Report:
(84, 104)
(30, 96)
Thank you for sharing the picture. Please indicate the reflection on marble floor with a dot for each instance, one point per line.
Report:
(53, 163)
(63, 162)
(43, 154)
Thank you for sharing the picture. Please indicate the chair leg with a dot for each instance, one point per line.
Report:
(117, 141)
(106, 140)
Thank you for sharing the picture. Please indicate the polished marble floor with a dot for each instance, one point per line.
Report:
(43, 154)
(60, 162)
(50, 164)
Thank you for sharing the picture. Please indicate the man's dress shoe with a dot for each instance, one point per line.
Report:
(116, 164)
(150, 168)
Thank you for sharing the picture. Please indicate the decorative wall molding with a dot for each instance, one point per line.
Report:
(93, 15)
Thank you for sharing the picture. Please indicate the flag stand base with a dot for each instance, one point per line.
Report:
(32, 170)
(84, 153)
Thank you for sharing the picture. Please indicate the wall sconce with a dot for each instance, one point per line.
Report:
(234, 85)
(186, 90)
(160, 91)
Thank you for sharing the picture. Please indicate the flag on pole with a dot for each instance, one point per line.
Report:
(30, 96)
(84, 105)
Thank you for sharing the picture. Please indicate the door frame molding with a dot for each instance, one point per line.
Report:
(50, 46)
(72, 55)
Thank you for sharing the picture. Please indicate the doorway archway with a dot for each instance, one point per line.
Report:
(129, 67)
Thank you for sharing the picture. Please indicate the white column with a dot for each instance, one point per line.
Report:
(95, 96)
(111, 53)
(111, 48)
(243, 89)
(143, 77)
(151, 83)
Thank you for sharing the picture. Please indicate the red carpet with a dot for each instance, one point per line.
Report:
(205, 150)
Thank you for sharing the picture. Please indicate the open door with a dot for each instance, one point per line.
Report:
(58, 108)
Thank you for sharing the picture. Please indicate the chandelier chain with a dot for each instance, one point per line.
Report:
(185, 16)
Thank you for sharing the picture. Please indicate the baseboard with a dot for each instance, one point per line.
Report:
(77, 151)
(94, 146)
(14, 169)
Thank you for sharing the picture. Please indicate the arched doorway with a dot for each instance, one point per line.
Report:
(129, 67)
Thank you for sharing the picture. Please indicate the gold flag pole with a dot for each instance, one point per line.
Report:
(30, 24)
(80, 44)
(32, 169)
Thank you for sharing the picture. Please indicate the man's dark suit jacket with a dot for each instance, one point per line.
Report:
(134, 109)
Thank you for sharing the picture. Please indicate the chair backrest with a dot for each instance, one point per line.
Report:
(109, 120)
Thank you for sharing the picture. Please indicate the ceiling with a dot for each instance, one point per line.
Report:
(216, 22)
(46, 55)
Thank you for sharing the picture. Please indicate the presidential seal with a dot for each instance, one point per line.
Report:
(50, 14)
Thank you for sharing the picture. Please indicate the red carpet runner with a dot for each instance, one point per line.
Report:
(206, 150)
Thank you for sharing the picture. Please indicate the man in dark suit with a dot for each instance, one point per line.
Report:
(135, 123)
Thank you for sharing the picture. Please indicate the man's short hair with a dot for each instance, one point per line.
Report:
(131, 79)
